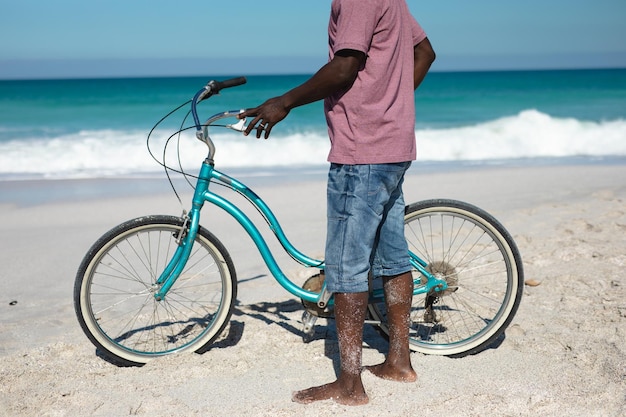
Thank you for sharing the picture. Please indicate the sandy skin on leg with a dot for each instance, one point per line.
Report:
(397, 365)
(348, 389)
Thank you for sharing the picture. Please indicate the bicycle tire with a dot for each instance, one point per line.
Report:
(114, 292)
(479, 260)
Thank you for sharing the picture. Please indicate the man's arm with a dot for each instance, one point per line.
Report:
(337, 75)
(423, 57)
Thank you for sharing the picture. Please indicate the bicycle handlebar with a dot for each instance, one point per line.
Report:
(212, 87)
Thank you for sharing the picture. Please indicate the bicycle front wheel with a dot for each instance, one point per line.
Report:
(115, 285)
(476, 256)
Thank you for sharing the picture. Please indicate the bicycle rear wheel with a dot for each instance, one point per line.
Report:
(115, 284)
(479, 260)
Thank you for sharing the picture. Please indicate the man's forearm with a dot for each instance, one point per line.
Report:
(336, 75)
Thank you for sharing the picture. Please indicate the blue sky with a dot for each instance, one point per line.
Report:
(92, 38)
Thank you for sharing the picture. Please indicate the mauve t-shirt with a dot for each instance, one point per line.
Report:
(374, 121)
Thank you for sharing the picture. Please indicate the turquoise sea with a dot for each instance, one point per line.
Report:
(93, 128)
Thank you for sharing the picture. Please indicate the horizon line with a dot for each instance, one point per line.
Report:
(51, 69)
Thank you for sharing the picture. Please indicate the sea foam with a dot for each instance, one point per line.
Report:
(105, 153)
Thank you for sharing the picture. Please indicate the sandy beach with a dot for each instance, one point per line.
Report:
(563, 355)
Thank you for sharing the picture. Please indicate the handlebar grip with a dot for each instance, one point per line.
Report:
(216, 86)
(233, 82)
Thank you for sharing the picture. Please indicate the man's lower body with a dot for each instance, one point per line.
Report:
(366, 235)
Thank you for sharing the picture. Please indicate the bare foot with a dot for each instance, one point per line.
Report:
(333, 391)
(392, 373)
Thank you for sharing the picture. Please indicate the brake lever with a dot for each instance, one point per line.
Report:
(240, 126)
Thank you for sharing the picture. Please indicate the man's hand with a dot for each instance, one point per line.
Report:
(265, 116)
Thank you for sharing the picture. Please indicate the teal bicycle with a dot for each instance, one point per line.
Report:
(159, 285)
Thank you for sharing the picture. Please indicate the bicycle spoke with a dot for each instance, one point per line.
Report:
(459, 245)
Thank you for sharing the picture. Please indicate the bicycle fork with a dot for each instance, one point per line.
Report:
(185, 238)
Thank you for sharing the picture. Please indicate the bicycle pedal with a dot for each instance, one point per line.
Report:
(308, 326)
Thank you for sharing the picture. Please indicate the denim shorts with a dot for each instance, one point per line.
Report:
(365, 229)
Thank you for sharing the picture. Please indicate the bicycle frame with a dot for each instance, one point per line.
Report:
(190, 229)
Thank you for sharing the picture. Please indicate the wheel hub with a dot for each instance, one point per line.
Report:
(445, 272)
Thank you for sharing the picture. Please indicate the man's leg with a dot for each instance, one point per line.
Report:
(398, 296)
(350, 309)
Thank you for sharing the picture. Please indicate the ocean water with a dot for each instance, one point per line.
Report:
(98, 128)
